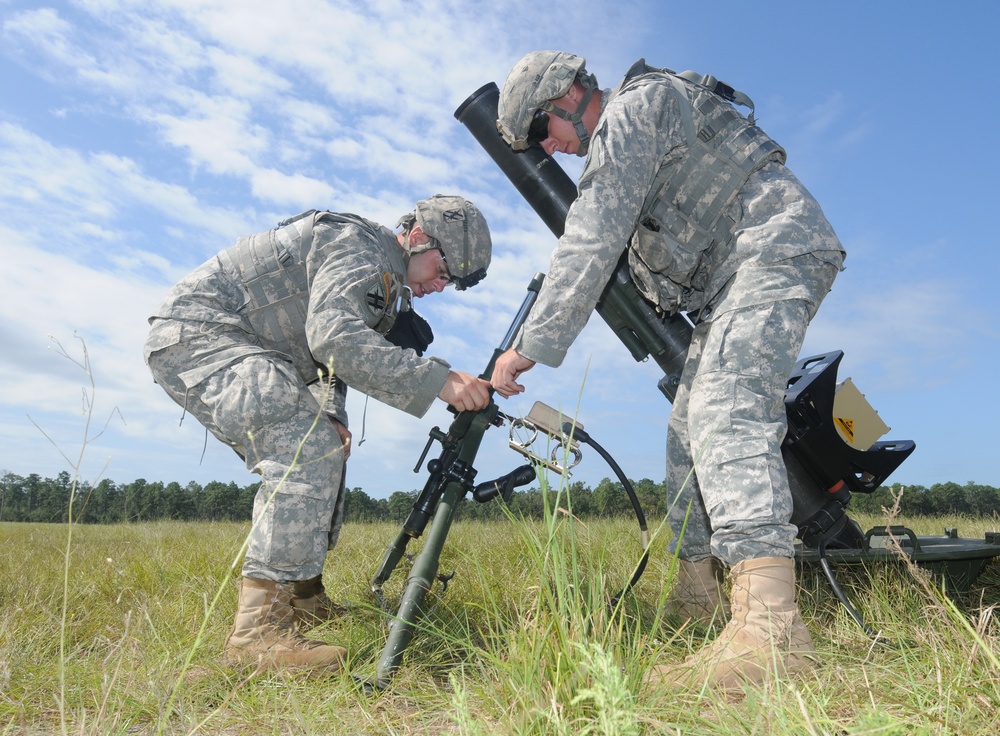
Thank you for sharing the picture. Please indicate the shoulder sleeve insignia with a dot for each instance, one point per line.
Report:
(378, 296)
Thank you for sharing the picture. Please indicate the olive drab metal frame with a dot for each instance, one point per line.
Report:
(451, 478)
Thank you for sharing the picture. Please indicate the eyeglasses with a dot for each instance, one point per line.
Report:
(443, 271)
(461, 283)
(538, 131)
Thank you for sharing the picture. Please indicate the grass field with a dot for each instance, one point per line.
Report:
(118, 630)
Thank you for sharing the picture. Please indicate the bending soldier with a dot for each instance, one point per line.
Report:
(714, 225)
(268, 334)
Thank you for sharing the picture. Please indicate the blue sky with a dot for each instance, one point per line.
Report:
(139, 137)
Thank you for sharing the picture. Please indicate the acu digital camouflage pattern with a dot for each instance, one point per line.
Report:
(260, 407)
(728, 422)
(459, 229)
(204, 351)
(759, 287)
(536, 78)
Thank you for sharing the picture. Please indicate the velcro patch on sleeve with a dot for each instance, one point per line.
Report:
(376, 298)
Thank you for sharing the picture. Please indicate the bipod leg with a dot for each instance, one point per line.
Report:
(393, 553)
(422, 576)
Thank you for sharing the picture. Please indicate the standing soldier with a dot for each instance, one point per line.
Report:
(264, 339)
(716, 226)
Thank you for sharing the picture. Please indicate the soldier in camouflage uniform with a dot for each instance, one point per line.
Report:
(260, 344)
(714, 225)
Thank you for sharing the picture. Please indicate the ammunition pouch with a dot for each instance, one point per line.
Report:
(663, 269)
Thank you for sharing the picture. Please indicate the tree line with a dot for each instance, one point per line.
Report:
(38, 499)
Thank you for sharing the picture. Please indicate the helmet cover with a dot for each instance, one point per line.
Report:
(460, 231)
(535, 79)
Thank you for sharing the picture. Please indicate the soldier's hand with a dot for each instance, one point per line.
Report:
(465, 392)
(506, 369)
(345, 437)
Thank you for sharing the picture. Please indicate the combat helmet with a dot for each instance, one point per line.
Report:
(526, 98)
(457, 227)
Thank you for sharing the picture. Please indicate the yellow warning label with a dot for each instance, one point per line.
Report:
(846, 426)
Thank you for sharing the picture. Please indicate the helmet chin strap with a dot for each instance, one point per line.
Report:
(576, 118)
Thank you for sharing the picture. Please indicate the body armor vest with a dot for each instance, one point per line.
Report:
(271, 265)
(683, 212)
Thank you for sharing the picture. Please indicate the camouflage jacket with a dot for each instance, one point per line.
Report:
(644, 128)
(350, 274)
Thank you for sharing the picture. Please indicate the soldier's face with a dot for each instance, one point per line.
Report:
(427, 273)
(562, 135)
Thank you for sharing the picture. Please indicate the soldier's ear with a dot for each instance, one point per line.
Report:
(418, 236)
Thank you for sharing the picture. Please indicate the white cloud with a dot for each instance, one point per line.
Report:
(223, 140)
(163, 129)
(98, 192)
(45, 29)
(290, 190)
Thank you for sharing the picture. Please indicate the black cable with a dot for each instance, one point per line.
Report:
(571, 430)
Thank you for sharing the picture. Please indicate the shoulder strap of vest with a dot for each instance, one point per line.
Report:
(348, 219)
(706, 81)
(720, 88)
(301, 226)
(638, 69)
(304, 229)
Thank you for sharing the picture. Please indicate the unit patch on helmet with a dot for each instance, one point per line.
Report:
(453, 215)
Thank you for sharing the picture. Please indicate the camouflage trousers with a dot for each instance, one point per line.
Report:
(726, 480)
(261, 407)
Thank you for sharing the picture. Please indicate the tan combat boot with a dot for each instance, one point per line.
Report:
(764, 638)
(311, 605)
(697, 595)
(265, 633)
